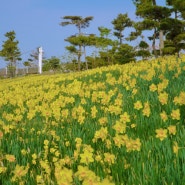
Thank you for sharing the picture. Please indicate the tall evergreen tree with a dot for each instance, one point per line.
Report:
(10, 51)
(174, 27)
(103, 43)
(83, 41)
(175, 35)
(152, 15)
(80, 23)
(121, 22)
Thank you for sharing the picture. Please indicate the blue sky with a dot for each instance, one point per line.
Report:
(36, 22)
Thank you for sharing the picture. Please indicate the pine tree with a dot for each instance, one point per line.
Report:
(10, 52)
(80, 23)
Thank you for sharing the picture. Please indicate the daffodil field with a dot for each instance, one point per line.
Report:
(116, 125)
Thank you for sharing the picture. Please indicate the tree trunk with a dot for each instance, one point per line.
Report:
(85, 59)
(154, 2)
(153, 43)
(80, 50)
(79, 57)
(121, 41)
(176, 14)
(161, 44)
(79, 62)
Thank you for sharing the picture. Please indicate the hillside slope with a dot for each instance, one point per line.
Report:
(113, 125)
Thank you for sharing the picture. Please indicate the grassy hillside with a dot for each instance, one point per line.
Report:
(115, 125)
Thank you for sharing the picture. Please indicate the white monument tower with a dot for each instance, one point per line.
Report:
(40, 60)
